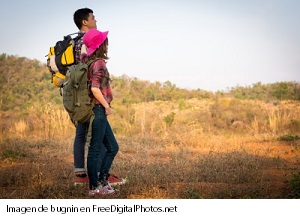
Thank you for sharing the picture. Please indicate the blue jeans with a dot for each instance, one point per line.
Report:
(79, 148)
(102, 134)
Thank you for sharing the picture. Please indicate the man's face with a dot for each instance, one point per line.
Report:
(91, 22)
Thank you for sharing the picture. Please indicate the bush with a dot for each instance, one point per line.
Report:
(288, 137)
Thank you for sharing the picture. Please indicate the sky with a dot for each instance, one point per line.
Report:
(195, 44)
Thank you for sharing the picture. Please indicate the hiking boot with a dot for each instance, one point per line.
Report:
(102, 190)
(79, 180)
(115, 180)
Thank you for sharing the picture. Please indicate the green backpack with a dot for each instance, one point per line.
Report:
(76, 99)
(76, 95)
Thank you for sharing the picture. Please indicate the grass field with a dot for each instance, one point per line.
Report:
(211, 149)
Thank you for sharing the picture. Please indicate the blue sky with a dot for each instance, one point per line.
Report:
(207, 44)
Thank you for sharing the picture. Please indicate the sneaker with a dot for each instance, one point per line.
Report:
(115, 180)
(81, 180)
(102, 190)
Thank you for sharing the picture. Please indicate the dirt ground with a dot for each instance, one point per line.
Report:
(255, 170)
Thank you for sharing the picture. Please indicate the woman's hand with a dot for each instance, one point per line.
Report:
(108, 110)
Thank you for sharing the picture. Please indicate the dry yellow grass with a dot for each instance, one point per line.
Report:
(167, 150)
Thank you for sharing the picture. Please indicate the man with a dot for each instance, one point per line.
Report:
(84, 19)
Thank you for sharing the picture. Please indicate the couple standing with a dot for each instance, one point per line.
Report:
(92, 45)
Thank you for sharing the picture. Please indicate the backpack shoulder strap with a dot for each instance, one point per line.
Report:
(74, 34)
(79, 36)
(89, 131)
(92, 61)
(106, 76)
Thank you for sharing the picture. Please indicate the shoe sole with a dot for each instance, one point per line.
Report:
(118, 183)
(90, 194)
(80, 183)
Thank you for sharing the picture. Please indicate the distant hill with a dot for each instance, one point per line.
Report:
(268, 92)
(24, 82)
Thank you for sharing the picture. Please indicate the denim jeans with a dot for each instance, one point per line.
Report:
(102, 134)
(79, 148)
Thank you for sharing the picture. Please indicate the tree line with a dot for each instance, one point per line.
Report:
(24, 81)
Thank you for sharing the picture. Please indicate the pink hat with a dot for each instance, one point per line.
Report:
(93, 39)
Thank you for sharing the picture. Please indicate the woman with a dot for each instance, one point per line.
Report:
(101, 94)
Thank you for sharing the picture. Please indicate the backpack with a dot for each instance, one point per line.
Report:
(60, 57)
(76, 95)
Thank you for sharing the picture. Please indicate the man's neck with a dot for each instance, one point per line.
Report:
(84, 29)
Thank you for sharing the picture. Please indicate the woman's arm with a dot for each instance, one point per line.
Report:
(98, 95)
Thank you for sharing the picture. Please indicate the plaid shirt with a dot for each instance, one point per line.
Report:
(97, 72)
(77, 47)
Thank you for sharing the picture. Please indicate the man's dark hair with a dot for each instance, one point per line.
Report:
(80, 15)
